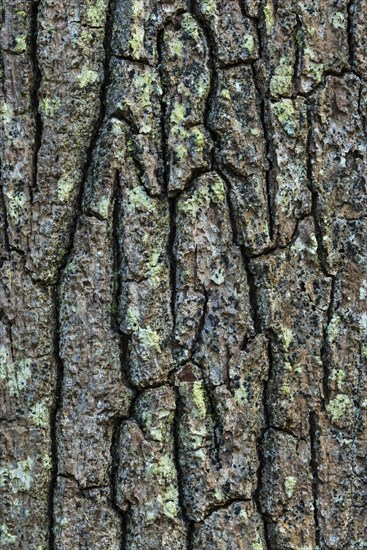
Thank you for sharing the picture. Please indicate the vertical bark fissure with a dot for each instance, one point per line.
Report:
(124, 351)
(268, 153)
(172, 204)
(189, 525)
(37, 79)
(53, 418)
(324, 347)
(57, 286)
(263, 98)
(260, 447)
(6, 221)
(321, 252)
(315, 477)
(350, 10)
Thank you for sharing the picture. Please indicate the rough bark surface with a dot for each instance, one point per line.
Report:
(183, 245)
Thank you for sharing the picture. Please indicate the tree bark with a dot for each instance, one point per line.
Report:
(183, 242)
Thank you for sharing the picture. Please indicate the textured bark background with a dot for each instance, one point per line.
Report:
(183, 321)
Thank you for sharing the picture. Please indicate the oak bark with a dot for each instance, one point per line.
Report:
(183, 246)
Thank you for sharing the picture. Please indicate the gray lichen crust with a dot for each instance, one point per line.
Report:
(183, 258)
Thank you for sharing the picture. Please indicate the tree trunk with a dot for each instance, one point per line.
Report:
(183, 242)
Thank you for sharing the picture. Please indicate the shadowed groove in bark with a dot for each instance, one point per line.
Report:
(315, 476)
(180, 483)
(57, 286)
(54, 412)
(37, 78)
(6, 222)
(321, 252)
(124, 352)
(350, 11)
(268, 151)
(172, 204)
(324, 348)
(2, 197)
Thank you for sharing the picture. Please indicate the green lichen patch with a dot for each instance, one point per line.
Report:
(338, 20)
(20, 43)
(281, 81)
(65, 187)
(285, 112)
(86, 77)
(15, 374)
(198, 395)
(289, 485)
(96, 15)
(338, 407)
(18, 476)
(49, 106)
(15, 204)
(269, 16)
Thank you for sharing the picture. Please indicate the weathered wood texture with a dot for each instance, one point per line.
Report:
(183, 281)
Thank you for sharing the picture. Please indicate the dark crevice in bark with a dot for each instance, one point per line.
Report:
(324, 353)
(198, 337)
(180, 479)
(37, 78)
(124, 341)
(361, 112)
(321, 252)
(260, 444)
(268, 153)
(54, 414)
(163, 113)
(298, 41)
(213, 71)
(113, 482)
(57, 286)
(172, 259)
(131, 59)
(123, 338)
(81, 488)
(5, 219)
(253, 296)
(351, 42)
(2, 195)
(226, 504)
(172, 204)
(217, 426)
(315, 478)
(262, 99)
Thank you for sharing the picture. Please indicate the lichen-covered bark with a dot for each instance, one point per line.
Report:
(183, 248)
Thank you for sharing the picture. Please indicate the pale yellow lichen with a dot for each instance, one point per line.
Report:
(6, 537)
(249, 43)
(15, 374)
(281, 81)
(19, 477)
(190, 26)
(199, 399)
(15, 204)
(338, 20)
(289, 485)
(337, 407)
(96, 15)
(177, 114)
(65, 187)
(40, 415)
(138, 199)
(269, 16)
(20, 44)
(49, 106)
(285, 112)
(86, 77)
